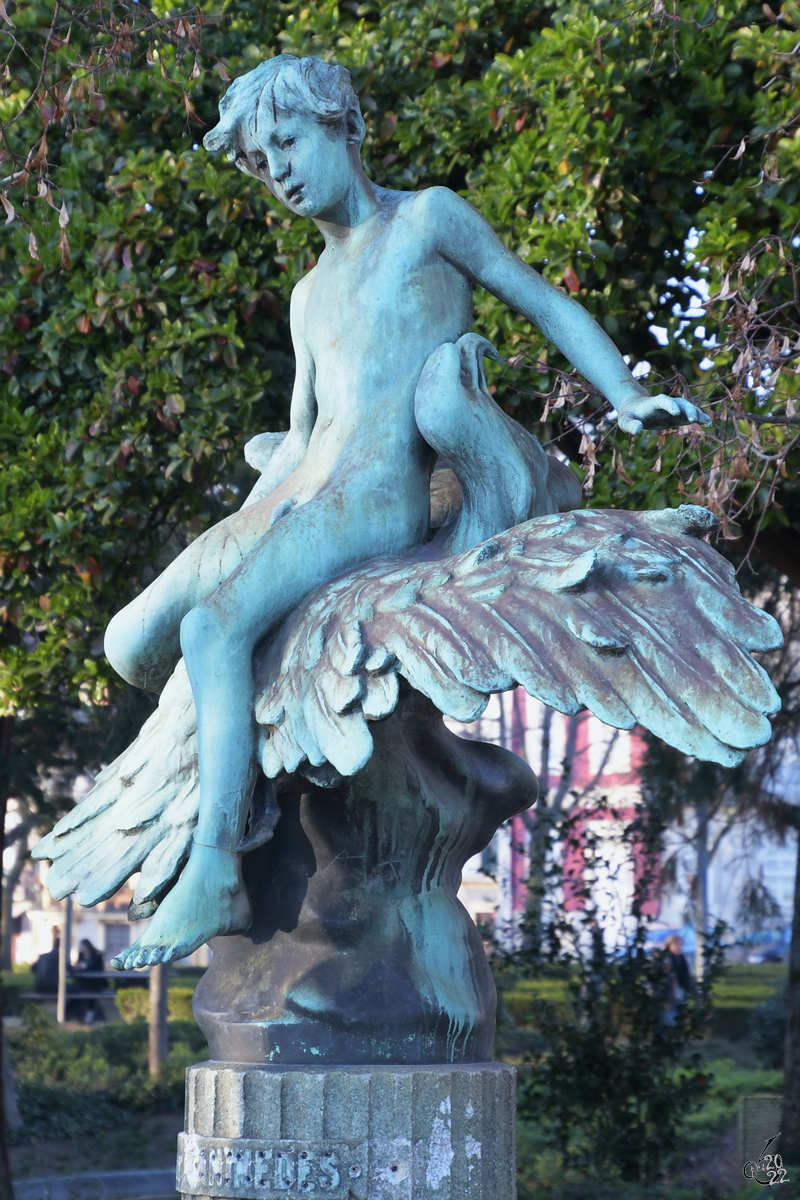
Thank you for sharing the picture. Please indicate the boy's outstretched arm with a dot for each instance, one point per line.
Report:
(466, 240)
(303, 409)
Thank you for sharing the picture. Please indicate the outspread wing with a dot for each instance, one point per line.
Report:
(139, 816)
(630, 615)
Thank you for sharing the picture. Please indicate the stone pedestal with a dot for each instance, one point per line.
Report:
(349, 1132)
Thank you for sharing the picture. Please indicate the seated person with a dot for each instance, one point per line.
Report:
(90, 963)
(45, 970)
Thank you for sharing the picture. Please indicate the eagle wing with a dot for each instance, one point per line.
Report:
(139, 816)
(630, 615)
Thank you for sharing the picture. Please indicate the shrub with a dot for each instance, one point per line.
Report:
(13, 985)
(767, 1027)
(179, 1004)
(71, 1084)
(609, 1081)
(134, 1004)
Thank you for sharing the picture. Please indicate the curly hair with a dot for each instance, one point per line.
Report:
(309, 85)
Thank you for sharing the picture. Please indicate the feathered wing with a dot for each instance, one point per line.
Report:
(139, 816)
(630, 615)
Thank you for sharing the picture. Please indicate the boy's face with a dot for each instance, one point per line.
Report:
(306, 165)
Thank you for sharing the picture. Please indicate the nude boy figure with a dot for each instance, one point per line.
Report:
(351, 479)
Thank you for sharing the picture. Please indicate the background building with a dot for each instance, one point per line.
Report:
(593, 773)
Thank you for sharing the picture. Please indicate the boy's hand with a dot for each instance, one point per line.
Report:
(659, 412)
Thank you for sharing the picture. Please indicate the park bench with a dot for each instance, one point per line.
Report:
(49, 1000)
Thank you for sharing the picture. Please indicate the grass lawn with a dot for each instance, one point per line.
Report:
(743, 987)
(747, 984)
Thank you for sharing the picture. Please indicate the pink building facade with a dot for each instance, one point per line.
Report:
(593, 775)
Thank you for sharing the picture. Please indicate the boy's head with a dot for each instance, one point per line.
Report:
(287, 123)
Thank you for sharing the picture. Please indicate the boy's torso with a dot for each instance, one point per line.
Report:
(375, 308)
(373, 311)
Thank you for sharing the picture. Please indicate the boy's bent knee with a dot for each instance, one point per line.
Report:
(142, 654)
(122, 646)
(203, 633)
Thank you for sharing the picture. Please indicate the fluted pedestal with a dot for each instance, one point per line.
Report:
(349, 1132)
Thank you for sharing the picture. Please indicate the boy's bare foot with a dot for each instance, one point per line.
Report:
(209, 899)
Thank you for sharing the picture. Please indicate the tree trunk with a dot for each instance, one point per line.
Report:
(790, 1128)
(701, 890)
(539, 829)
(158, 1019)
(538, 845)
(9, 885)
(64, 961)
(6, 726)
(549, 813)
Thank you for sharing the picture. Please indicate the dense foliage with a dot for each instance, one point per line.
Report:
(75, 1084)
(145, 285)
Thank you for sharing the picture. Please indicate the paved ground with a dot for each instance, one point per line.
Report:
(120, 1185)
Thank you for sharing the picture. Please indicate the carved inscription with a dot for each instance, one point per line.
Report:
(248, 1169)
